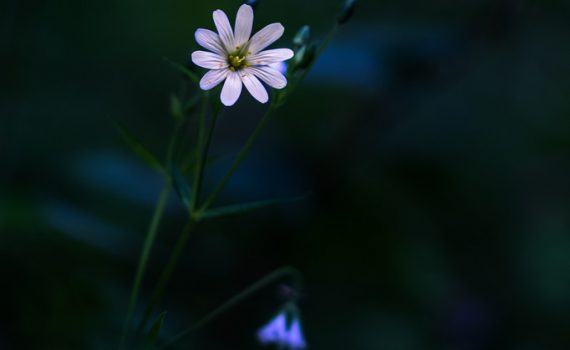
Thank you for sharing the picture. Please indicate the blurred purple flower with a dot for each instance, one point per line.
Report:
(276, 332)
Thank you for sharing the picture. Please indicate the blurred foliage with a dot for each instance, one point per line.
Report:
(434, 138)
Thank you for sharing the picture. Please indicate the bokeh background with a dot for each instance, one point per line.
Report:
(433, 136)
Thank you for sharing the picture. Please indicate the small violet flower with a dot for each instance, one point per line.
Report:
(239, 59)
(276, 332)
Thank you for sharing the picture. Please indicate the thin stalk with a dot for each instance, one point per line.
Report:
(150, 237)
(240, 157)
(203, 144)
(200, 150)
(167, 273)
(249, 291)
(203, 158)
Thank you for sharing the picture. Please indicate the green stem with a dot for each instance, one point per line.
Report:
(203, 158)
(240, 157)
(143, 261)
(200, 149)
(249, 291)
(150, 237)
(203, 144)
(167, 273)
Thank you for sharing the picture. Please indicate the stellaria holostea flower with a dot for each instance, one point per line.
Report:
(276, 332)
(239, 59)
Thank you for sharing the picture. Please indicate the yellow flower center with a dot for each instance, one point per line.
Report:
(237, 62)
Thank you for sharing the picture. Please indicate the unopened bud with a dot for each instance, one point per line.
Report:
(253, 3)
(302, 36)
(305, 56)
(346, 12)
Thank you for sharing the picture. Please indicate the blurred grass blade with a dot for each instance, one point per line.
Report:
(179, 67)
(139, 149)
(191, 105)
(182, 188)
(247, 207)
(176, 108)
(154, 331)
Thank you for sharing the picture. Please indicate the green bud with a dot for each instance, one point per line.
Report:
(302, 36)
(347, 11)
(305, 56)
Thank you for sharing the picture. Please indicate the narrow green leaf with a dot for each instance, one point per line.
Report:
(182, 188)
(247, 207)
(139, 149)
(154, 331)
(179, 67)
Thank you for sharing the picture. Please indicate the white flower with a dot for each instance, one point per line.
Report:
(239, 59)
(276, 332)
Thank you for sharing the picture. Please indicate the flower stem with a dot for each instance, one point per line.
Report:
(150, 236)
(240, 157)
(200, 150)
(203, 145)
(249, 291)
(167, 273)
(143, 261)
(203, 157)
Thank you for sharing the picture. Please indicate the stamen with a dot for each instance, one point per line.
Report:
(236, 62)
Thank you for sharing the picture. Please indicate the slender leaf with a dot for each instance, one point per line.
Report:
(187, 72)
(139, 149)
(247, 207)
(154, 331)
(182, 188)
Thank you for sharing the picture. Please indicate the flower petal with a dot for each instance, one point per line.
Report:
(214, 77)
(267, 57)
(279, 66)
(209, 60)
(231, 90)
(244, 25)
(224, 29)
(209, 40)
(254, 87)
(295, 336)
(269, 76)
(265, 37)
(275, 331)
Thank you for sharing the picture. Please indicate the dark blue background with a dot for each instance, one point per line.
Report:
(433, 135)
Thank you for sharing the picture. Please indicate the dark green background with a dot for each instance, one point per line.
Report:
(434, 137)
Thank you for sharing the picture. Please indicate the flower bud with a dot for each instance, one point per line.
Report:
(305, 56)
(346, 12)
(253, 3)
(302, 36)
